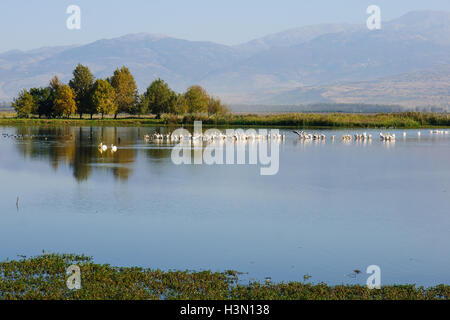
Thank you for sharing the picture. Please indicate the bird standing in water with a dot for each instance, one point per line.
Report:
(103, 147)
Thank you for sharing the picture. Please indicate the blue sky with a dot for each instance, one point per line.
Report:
(28, 24)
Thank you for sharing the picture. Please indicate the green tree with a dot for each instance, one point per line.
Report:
(64, 104)
(126, 90)
(159, 97)
(42, 100)
(215, 106)
(173, 103)
(53, 85)
(196, 99)
(24, 104)
(81, 84)
(103, 97)
(181, 106)
(141, 106)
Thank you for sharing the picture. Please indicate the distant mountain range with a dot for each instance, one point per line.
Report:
(407, 62)
(425, 88)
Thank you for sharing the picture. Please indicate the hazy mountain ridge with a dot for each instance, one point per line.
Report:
(293, 37)
(301, 64)
(356, 54)
(421, 88)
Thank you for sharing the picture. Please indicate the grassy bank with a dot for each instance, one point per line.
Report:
(290, 120)
(44, 277)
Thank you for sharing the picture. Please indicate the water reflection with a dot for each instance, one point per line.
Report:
(77, 147)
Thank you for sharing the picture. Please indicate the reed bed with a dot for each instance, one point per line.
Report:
(292, 120)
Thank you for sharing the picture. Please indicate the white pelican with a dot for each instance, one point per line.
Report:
(102, 147)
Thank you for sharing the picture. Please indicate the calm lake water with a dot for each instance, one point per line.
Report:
(332, 208)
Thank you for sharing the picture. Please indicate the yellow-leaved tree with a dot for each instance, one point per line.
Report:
(103, 97)
(64, 104)
(125, 90)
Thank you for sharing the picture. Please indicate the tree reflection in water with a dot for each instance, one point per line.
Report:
(77, 147)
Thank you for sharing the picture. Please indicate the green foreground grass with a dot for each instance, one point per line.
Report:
(297, 120)
(44, 277)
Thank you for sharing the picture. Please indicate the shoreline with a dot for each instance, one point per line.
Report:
(45, 277)
(407, 120)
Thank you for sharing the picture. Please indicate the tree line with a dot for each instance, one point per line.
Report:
(117, 94)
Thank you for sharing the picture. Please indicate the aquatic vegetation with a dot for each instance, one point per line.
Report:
(293, 120)
(44, 277)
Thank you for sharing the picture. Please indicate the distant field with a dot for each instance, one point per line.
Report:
(7, 113)
(330, 108)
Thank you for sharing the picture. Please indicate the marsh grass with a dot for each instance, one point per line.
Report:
(44, 277)
(292, 120)
(7, 114)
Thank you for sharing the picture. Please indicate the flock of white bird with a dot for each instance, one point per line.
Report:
(103, 147)
(438, 132)
(304, 136)
(345, 137)
(309, 136)
(360, 136)
(23, 136)
(218, 136)
(388, 136)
